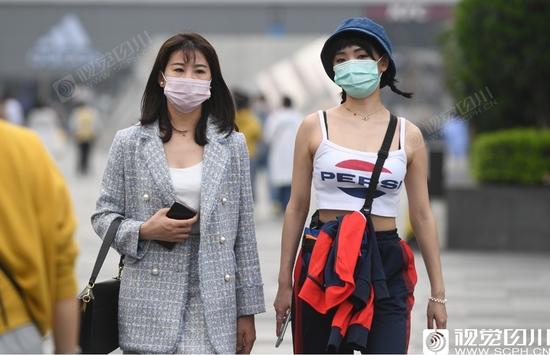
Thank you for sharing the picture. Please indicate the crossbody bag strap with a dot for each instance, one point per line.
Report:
(21, 293)
(382, 155)
(107, 241)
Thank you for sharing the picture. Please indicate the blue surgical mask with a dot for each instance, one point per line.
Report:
(358, 77)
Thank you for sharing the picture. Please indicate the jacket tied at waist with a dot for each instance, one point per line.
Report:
(346, 273)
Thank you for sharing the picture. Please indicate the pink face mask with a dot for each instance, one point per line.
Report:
(186, 94)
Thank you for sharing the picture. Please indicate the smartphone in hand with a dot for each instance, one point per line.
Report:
(180, 211)
(177, 211)
(282, 330)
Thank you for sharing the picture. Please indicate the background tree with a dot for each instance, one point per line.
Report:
(503, 45)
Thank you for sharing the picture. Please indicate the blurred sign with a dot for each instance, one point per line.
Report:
(65, 45)
(410, 11)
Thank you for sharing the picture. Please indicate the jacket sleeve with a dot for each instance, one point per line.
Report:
(112, 204)
(249, 286)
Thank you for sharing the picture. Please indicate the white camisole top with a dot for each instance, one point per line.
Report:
(341, 176)
(187, 184)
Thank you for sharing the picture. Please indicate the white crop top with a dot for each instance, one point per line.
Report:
(187, 184)
(341, 176)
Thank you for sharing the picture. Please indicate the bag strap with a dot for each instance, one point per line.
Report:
(19, 290)
(326, 123)
(107, 241)
(382, 155)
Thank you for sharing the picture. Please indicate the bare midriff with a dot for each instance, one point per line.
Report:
(380, 223)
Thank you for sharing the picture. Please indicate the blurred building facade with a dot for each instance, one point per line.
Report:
(72, 49)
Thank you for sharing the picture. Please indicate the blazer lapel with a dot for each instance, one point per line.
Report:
(155, 158)
(215, 159)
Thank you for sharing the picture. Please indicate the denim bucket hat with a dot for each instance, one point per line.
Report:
(369, 28)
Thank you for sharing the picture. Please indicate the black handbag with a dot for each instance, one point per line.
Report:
(99, 304)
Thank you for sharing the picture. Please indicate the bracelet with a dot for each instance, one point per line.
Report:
(438, 300)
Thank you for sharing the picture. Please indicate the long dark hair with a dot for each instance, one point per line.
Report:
(370, 46)
(219, 105)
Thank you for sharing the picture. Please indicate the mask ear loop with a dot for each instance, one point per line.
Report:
(379, 59)
(163, 82)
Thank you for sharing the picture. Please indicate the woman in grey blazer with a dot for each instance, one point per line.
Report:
(201, 295)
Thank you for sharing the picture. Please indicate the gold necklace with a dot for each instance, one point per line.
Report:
(364, 118)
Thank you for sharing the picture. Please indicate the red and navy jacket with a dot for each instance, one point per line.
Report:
(346, 273)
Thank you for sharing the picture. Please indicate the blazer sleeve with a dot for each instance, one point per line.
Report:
(112, 204)
(249, 286)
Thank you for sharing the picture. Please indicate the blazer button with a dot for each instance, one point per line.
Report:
(146, 197)
(227, 277)
(224, 200)
(155, 271)
(222, 240)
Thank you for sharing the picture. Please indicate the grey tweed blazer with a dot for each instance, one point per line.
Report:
(153, 293)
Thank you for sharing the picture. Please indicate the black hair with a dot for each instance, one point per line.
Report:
(220, 103)
(287, 102)
(39, 103)
(242, 100)
(347, 39)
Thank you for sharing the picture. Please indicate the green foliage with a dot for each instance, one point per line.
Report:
(503, 45)
(518, 156)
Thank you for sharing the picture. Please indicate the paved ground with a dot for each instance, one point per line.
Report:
(485, 290)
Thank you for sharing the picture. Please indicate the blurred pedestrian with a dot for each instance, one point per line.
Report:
(280, 133)
(248, 124)
(38, 251)
(84, 125)
(455, 132)
(44, 120)
(2, 110)
(262, 109)
(200, 294)
(337, 150)
(13, 110)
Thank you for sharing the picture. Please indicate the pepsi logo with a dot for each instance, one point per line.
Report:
(359, 179)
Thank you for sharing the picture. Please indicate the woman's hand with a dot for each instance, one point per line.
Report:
(160, 227)
(246, 334)
(282, 305)
(438, 313)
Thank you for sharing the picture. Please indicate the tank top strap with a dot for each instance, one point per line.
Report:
(402, 124)
(323, 124)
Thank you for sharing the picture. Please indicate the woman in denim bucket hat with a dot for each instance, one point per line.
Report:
(336, 150)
